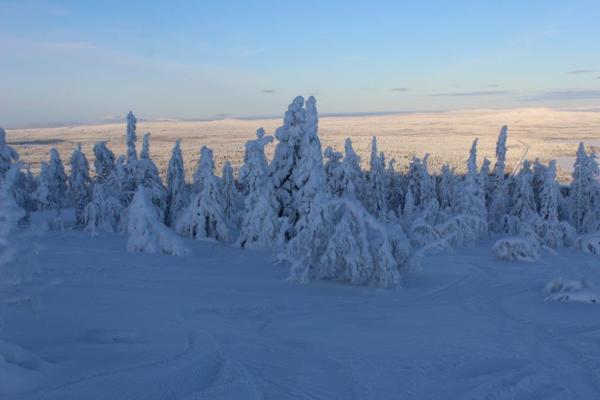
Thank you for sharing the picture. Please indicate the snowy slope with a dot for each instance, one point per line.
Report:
(222, 323)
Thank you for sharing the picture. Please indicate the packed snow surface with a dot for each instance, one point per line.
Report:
(225, 323)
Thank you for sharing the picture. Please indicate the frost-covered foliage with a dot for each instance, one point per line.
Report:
(104, 213)
(375, 183)
(343, 242)
(131, 137)
(205, 215)
(8, 155)
(259, 224)
(297, 172)
(145, 232)
(10, 213)
(51, 192)
(104, 161)
(498, 199)
(80, 184)
(570, 291)
(232, 198)
(516, 249)
(584, 198)
(177, 191)
(590, 243)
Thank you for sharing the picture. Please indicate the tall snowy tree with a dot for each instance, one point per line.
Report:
(104, 161)
(80, 184)
(584, 193)
(259, 222)
(51, 192)
(232, 198)
(8, 155)
(297, 172)
(131, 137)
(177, 192)
(522, 206)
(498, 194)
(376, 185)
(445, 188)
(205, 215)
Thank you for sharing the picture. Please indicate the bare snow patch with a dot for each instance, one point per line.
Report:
(20, 370)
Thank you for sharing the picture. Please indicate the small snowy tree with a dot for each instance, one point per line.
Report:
(80, 184)
(177, 192)
(51, 192)
(131, 137)
(232, 198)
(205, 216)
(104, 161)
(105, 212)
(145, 232)
(8, 155)
(343, 242)
(259, 222)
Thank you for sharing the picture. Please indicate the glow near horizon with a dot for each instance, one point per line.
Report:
(70, 61)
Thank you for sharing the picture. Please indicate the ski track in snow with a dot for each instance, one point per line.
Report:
(222, 323)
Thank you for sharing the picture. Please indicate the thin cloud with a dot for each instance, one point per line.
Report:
(268, 91)
(493, 85)
(580, 71)
(400, 89)
(569, 94)
(472, 94)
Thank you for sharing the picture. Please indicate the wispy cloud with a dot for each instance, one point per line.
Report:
(473, 94)
(580, 71)
(567, 94)
(400, 89)
(268, 91)
(493, 85)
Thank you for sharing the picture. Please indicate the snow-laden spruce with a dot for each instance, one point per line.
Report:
(104, 213)
(376, 203)
(584, 193)
(232, 197)
(343, 242)
(498, 196)
(51, 192)
(80, 184)
(297, 173)
(177, 191)
(104, 161)
(205, 215)
(8, 155)
(259, 224)
(131, 137)
(146, 232)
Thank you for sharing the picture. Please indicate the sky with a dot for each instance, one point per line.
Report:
(89, 61)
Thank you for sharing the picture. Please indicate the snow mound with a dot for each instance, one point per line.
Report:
(516, 249)
(590, 244)
(570, 291)
(20, 370)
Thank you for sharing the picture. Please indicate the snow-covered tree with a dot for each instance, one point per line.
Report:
(105, 213)
(376, 184)
(334, 173)
(259, 222)
(232, 198)
(550, 230)
(145, 153)
(145, 231)
(394, 190)
(522, 211)
(445, 188)
(177, 192)
(131, 137)
(584, 193)
(104, 161)
(80, 184)
(205, 215)
(344, 243)
(498, 193)
(470, 203)
(8, 155)
(297, 172)
(51, 192)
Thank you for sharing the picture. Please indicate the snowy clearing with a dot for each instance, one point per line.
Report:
(224, 323)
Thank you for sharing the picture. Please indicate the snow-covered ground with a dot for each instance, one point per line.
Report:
(223, 323)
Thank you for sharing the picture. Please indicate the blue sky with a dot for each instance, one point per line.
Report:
(84, 61)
